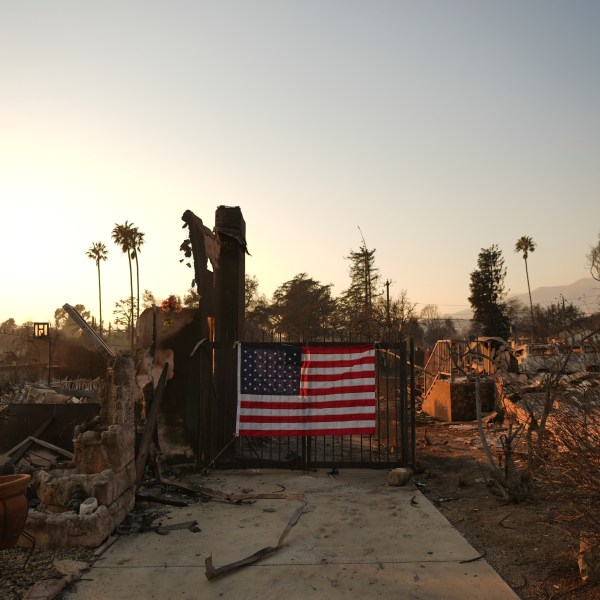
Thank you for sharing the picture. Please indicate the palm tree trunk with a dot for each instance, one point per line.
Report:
(99, 297)
(137, 274)
(530, 302)
(131, 297)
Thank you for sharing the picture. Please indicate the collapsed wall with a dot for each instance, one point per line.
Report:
(103, 469)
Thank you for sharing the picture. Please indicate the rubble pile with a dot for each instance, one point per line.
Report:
(523, 395)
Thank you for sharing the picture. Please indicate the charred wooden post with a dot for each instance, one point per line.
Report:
(230, 229)
(219, 324)
(203, 248)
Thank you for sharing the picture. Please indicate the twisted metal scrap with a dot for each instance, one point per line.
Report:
(213, 573)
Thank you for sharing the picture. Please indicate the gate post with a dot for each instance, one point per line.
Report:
(403, 404)
(413, 412)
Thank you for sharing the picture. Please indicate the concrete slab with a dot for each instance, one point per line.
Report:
(357, 537)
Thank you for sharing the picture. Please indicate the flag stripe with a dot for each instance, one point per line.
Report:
(304, 399)
(258, 404)
(356, 363)
(333, 376)
(338, 390)
(304, 418)
(310, 430)
(254, 413)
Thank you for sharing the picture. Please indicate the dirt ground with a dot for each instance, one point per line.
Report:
(525, 542)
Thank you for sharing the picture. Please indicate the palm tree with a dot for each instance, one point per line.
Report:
(526, 245)
(138, 241)
(97, 252)
(123, 236)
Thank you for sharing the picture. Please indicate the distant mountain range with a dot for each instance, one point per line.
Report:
(584, 293)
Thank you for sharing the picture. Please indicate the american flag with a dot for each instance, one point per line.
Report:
(304, 390)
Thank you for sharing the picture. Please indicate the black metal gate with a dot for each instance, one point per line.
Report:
(392, 444)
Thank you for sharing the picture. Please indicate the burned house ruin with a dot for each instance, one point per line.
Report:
(192, 347)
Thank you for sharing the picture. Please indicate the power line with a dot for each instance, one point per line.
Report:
(583, 298)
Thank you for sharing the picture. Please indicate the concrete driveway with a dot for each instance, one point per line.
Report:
(358, 537)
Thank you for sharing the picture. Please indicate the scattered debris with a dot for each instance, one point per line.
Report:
(501, 523)
(160, 500)
(463, 562)
(140, 521)
(189, 525)
(14, 455)
(100, 550)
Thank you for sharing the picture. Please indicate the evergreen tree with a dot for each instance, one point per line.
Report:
(487, 293)
(258, 324)
(357, 302)
(301, 307)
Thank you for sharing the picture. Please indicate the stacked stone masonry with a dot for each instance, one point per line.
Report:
(103, 467)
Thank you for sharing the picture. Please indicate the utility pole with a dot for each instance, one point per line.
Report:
(368, 292)
(387, 305)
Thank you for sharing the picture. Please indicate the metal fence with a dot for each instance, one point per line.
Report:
(392, 444)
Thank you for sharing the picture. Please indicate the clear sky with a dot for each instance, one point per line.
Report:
(437, 127)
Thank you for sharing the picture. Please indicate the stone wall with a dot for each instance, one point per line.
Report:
(103, 468)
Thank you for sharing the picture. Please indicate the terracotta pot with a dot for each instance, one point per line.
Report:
(13, 508)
